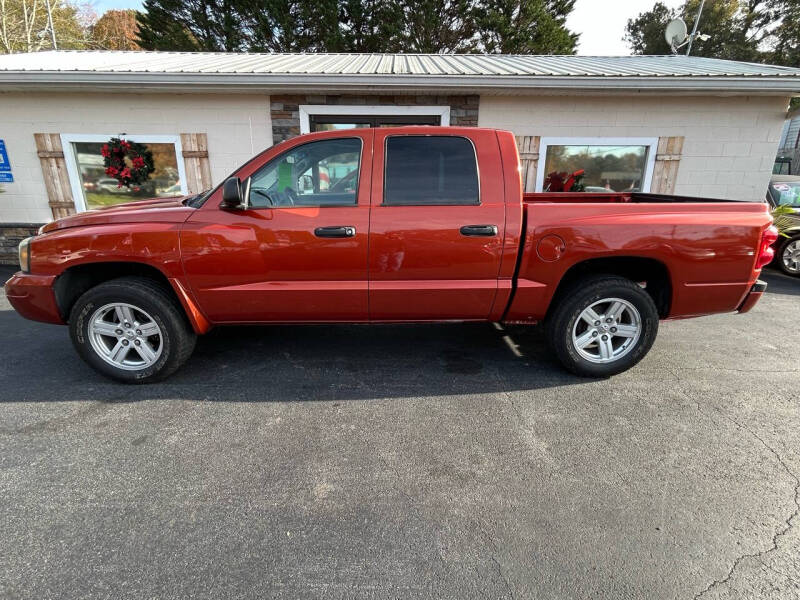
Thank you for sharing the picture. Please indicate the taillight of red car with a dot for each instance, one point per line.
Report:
(765, 252)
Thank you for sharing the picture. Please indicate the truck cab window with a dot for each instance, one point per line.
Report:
(322, 173)
(432, 170)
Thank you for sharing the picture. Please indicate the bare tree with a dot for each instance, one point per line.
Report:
(33, 25)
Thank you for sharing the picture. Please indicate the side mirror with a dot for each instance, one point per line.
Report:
(232, 193)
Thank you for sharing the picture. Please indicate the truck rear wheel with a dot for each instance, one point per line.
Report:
(131, 329)
(602, 325)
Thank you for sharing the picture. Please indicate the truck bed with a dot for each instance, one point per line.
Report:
(614, 197)
(705, 247)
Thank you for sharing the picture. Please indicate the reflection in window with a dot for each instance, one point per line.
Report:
(101, 190)
(606, 168)
(338, 122)
(323, 173)
(337, 126)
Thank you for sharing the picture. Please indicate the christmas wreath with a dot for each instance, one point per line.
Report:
(564, 182)
(128, 162)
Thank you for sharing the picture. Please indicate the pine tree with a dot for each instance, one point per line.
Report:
(425, 26)
(525, 26)
(434, 26)
(370, 26)
(786, 47)
(191, 25)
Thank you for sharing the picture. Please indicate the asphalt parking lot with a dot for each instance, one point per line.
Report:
(437, 461)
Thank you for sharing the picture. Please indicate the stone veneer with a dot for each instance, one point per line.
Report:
(284, 109)
(11, 234)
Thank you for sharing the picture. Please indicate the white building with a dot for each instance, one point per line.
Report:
(788, 159)
(668, 124)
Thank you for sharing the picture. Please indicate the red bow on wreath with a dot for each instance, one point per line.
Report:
(128, 162)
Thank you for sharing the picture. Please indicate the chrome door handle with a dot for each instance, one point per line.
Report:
(337, 231)
(479, 230)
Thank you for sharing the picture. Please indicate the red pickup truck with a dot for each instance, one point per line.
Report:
(404, 224)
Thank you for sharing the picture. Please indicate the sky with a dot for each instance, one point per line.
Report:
(601, 23)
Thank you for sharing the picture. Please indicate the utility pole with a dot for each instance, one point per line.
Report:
(694, 28)
(53, 29)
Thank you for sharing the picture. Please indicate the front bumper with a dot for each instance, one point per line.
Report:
(753, 296)
(33, 297)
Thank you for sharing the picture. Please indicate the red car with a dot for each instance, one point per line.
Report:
(413, 224)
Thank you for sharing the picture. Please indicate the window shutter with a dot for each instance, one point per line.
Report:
(54, 170)
(668, 157)
(195, 158)
(528, 146)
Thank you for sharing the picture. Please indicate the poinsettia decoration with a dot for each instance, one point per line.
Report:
(564, 182)
(128, 162)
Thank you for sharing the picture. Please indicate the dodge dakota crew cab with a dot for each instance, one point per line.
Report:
(406, 224)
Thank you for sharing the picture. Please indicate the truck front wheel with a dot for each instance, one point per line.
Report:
(131, 329)
(602, 325)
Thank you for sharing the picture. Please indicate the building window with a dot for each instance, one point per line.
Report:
(92, 188)
(430, 170)
(329, 117)
(609, 164)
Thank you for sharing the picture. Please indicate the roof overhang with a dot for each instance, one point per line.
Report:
(395, 83)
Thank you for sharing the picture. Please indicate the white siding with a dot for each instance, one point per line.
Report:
(730, 142)
(238, 126)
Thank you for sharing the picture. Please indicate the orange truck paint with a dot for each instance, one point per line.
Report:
(404, 263)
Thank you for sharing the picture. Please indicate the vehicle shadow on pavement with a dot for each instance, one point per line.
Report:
(778, 283)
(285, 363)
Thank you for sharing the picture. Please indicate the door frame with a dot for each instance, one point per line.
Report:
(307, 110)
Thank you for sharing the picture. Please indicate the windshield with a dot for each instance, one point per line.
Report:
(785, 193)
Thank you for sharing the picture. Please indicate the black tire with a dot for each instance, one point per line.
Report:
(177, 337)
(569, 305)
(779, 256)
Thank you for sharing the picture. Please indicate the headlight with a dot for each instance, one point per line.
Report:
(25, 255)
(41, 229)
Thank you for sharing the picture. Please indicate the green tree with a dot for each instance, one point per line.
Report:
(433, 26)
(428, 26)
(525, 26)
(370, 26)
(191, 25)
(786, 36)
(737, 28)
(645, 32)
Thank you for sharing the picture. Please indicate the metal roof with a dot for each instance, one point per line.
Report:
(332, 71)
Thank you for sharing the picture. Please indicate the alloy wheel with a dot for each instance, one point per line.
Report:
(125, 336)
(607, 330)
(791, 257)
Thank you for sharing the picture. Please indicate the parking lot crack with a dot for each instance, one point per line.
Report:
(787, 524)
(492, 556)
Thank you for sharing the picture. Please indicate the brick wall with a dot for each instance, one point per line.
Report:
(11, 234)
(285, 114)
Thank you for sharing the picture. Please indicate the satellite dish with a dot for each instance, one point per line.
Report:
(676, 33)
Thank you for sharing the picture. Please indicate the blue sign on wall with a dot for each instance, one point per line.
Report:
(5, 166)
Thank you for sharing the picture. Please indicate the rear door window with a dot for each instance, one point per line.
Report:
(430, 170)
